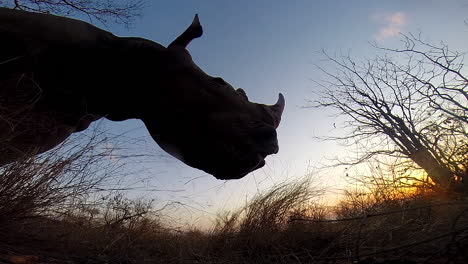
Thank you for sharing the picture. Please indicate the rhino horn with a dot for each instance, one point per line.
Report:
(277, 109)
(194, 31)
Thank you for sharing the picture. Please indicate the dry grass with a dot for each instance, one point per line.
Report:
(283, 225)
(46, 211)
(44, 184)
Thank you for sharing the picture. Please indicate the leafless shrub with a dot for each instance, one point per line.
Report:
(38, 185)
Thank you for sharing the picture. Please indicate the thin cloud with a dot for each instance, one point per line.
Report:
(394, 24)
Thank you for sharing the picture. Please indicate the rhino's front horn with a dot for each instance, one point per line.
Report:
(277, 109)
(194, 31)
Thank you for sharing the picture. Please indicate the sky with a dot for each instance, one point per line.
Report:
(267, 47)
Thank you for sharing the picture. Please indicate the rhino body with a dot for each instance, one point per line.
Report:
(58, 75)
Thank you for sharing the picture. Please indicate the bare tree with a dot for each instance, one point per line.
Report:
(410, 104)
(101, 10)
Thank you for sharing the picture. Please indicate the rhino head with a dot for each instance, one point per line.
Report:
(205, 122)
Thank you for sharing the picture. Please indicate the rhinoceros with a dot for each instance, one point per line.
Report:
(58, 75)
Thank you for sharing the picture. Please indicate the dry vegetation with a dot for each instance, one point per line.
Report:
(47, 216)
(53, 210)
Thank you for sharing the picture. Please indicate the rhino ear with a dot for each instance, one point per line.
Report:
(194, 31)
(242, 93)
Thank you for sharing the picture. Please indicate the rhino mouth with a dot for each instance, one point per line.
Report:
(241, 171)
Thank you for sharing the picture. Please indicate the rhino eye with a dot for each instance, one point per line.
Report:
(219, 80)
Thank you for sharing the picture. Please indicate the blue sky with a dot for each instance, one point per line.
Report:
(267, 47)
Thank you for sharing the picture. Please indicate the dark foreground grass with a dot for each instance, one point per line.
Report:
(283, 225)
(46, 216)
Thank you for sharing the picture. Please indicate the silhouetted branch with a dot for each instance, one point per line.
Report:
(119, 11)
(410, 106)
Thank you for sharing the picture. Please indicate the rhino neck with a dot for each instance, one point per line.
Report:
(123, 77)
